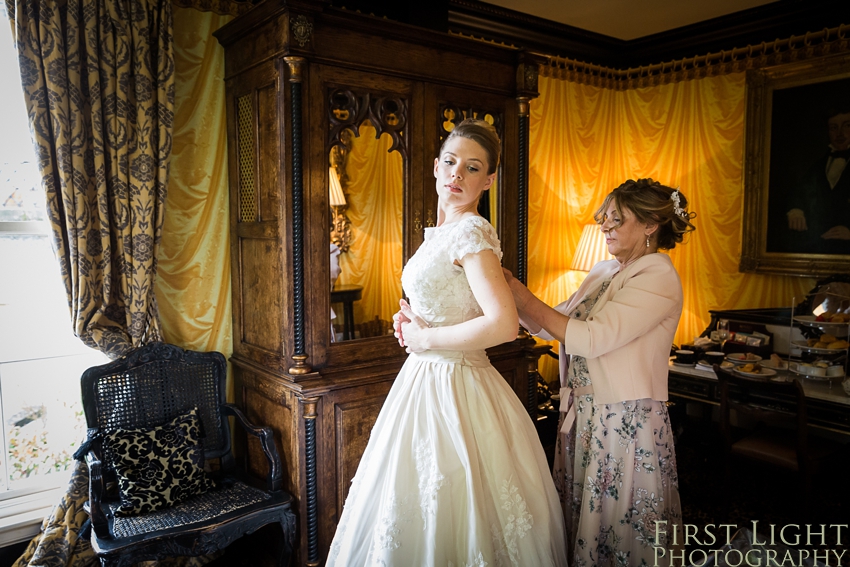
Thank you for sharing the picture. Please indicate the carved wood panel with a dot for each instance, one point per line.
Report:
(349, 108)
(452, 114)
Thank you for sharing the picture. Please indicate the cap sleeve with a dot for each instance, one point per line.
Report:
(475, 234)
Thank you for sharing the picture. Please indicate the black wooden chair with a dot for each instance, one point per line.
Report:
(777, 432)
(144, 389)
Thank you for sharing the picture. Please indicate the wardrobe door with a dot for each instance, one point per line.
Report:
(257, 252)
(360, 147)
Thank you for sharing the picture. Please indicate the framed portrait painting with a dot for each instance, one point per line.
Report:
(797, 169)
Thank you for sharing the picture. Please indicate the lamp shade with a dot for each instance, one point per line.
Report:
(591, 249)
(337, 198)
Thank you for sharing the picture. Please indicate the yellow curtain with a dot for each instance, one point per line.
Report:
(586, 140)
(193, 287)
(375, 201)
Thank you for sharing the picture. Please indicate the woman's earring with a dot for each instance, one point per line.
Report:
(647, 242)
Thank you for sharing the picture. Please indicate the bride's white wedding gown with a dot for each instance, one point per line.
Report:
(454, 474)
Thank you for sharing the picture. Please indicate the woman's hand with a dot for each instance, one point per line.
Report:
(537, 317)
(398, 319)
(519, 291)
(414, 330)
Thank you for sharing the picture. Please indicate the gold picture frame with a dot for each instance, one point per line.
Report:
(786, 141)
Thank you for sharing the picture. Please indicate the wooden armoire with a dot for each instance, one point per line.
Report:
(299, 74)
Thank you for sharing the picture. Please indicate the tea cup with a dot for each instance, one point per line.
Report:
(714, 357)
(685, 356)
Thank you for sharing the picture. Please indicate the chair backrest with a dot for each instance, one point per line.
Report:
(154, 384)
(375, 328)
(776, 403)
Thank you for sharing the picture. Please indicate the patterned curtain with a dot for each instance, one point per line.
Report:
(98, 78)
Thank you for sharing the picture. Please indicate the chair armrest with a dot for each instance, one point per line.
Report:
(264, 434)
(96, 491)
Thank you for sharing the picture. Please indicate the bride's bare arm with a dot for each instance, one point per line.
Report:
(535, 314)
(497, 325)
(519, 291)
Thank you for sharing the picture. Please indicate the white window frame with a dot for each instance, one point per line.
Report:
(22, 510)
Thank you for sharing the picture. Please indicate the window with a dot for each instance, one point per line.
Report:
(41, 361)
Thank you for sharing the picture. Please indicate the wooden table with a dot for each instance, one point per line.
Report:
(828, 406)
(347, 294)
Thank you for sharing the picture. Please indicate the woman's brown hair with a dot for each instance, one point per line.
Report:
(654, 203)
(484, 134)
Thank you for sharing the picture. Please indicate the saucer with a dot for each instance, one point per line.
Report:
(743, 358)
(765, 373)
(702, 365)
(768, 363)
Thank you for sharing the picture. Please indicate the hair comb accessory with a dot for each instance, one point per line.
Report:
(677, 205)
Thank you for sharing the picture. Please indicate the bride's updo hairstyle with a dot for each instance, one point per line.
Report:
(484, 134)
(652, 202)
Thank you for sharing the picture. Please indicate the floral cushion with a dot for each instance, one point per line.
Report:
(158, 467)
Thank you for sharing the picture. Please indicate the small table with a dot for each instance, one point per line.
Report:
(347, 294)
(827, 405)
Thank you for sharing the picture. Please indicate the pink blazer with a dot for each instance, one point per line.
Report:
(626, 337)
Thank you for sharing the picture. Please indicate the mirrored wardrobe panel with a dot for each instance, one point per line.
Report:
(366, 197)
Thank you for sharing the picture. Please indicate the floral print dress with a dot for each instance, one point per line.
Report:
(615, 472)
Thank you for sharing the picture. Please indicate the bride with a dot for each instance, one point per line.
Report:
(453, 474)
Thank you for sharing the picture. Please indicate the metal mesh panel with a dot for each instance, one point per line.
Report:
(247, 189)
(198, 509)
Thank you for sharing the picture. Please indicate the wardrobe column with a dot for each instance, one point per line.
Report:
(309, 412)
(296, 66)
(522, 190)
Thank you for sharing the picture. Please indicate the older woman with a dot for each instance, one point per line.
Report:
(615, 467)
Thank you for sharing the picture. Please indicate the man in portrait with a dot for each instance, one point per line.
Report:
(819, 203)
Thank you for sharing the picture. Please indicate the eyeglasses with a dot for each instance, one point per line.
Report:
(614, 224)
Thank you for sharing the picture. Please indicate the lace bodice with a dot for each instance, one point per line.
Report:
(436, 286)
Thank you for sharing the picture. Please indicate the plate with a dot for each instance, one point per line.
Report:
(768, 363)
(686, 365)
(803, 345)
(765, 373)
(804, 374)
(726, 365)
(810, 321)
(739, 358)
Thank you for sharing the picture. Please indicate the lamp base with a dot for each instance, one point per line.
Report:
(340, 228)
